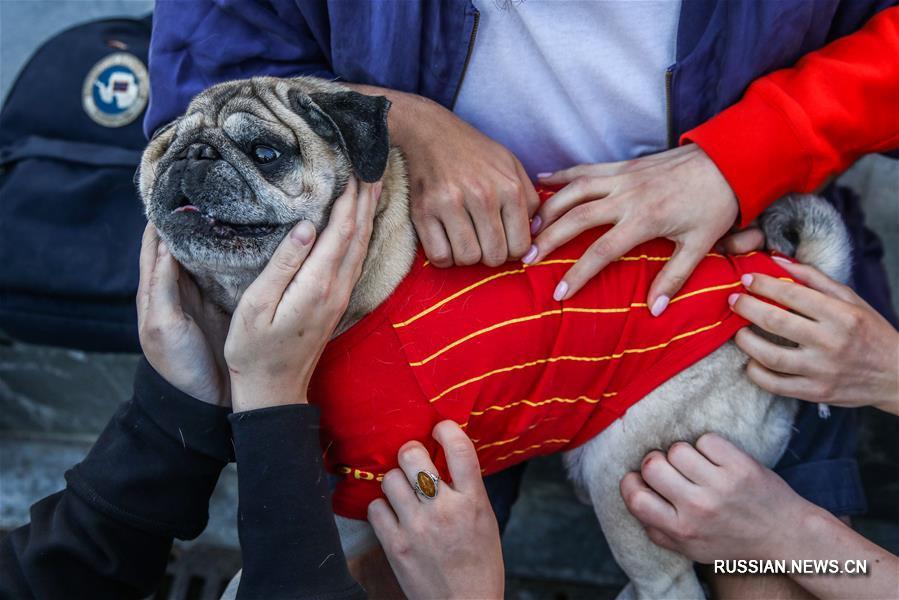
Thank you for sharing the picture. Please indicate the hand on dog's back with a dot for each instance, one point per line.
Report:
(470, 197)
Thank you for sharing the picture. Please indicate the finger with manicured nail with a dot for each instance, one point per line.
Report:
(659, 306)
(560, 291)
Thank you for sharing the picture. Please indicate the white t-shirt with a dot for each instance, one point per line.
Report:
(563, 82)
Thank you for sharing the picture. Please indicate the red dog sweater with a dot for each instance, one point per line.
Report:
(524, 375)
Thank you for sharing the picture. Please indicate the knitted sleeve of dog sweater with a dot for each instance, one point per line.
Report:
(523, 374)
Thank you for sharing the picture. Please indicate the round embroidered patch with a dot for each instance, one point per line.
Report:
(115, 90)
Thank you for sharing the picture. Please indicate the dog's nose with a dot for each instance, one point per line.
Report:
(201, 152)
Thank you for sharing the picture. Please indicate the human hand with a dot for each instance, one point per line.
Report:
(743, 241)
(713, 501)
(181, 333)
(448, 546)
(847, 354)
(287, 315)
(470, 197)
(678, 194)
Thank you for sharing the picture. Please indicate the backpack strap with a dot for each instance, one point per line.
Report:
(34, 146)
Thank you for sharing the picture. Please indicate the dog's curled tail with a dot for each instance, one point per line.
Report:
(809, 229)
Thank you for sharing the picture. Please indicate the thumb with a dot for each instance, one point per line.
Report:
(743, 242)
(266, 291)
(672, 277)
(164, 297)
(149, 257)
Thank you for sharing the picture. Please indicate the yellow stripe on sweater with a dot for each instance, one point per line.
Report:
(554, 359)
(560, 261)
(559, 311)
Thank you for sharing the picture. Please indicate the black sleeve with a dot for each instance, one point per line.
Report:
(147, 479)
(288, 537)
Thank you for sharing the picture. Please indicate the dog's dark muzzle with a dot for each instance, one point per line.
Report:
(195, 164)
(205, 196)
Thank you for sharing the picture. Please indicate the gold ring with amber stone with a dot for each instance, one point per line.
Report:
(426, 484)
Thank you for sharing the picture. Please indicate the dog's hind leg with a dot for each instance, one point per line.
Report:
(712, 395)
(654, 572)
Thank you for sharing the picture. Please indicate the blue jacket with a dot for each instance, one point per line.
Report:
(423, 46)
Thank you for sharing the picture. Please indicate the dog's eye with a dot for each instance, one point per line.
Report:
(264, 154)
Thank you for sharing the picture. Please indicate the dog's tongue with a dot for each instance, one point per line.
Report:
(227, 230)
(220, 230)
(190, 208)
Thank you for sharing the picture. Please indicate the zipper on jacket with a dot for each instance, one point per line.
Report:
(669, 116)
(474, 34)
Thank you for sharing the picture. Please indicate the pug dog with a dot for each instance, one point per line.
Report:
(224, 183)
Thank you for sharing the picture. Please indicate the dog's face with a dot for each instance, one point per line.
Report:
(225, 183)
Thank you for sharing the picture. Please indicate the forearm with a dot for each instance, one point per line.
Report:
(288, 537)
(146, 481)
(408, 116)
(798, 127)
(820, 536)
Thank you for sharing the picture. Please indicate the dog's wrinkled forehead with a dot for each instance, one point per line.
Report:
(212, 107)
(245, 114)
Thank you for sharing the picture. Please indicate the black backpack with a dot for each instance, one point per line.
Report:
(70, 219)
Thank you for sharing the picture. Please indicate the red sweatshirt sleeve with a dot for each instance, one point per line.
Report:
(795, 128)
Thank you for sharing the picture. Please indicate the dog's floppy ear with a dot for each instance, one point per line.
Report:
(355, 122)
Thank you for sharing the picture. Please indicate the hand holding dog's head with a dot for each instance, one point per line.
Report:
(224, 183)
